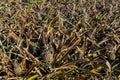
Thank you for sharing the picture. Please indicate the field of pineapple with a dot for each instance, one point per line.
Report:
(59, 39)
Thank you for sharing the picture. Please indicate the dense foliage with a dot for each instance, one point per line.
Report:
(59, 39)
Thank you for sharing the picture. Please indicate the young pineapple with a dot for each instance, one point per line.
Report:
(18, 70)
(48, 55)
